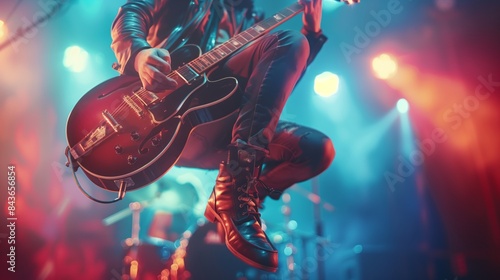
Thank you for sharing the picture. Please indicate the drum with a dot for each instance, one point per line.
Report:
(160, 231)
(146, 261)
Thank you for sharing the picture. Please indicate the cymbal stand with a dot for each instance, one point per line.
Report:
(319, 229)
(133, 243)
(290, 248)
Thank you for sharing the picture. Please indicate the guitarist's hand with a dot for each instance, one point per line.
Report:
(153, 65)
(312, 15)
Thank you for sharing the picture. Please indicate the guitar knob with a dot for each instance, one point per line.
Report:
(118, 149)
(135, 136)
(155, 141)
(131, 159)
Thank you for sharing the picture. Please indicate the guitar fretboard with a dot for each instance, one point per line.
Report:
(201, 64)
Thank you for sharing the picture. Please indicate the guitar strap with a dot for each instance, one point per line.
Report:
(208, 39)
(196, 12)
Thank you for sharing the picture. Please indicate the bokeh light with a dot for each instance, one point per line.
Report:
(326, 84)
(403, 105)
(384, 66)
(357, 249)
(75, 59)
(3, 29)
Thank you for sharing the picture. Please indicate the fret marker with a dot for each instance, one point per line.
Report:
(259, 28)
(278, 17)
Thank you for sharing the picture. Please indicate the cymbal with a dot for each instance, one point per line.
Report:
(175, 195)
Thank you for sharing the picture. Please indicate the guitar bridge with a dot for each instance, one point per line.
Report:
(131, 103)
(111, 121)
(96, 136)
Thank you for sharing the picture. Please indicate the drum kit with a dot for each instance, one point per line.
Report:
(171, 240)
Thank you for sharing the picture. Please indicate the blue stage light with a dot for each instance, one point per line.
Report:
(326, 84)
(75, 59)
(403, 105)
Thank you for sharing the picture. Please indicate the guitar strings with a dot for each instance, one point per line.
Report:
(142, 92)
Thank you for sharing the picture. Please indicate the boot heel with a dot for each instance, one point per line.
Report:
(209, 214)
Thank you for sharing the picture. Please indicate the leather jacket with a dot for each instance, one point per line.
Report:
(171, 23)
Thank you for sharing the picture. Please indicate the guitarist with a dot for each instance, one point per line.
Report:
(257, 155)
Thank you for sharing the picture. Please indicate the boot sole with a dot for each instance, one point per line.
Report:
(213, 217)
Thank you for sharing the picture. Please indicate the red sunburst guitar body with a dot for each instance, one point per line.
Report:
(119, 132)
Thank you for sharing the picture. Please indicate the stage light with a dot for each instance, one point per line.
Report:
(75, 59)
(278, 238)
(357, 249)
(286, 198)
(403, 105)
(134, 267)
(3, 29)
(292, 225)
(326, 84)
(187, 234)
(384, 66)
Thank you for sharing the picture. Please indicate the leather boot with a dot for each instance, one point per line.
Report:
(233, 203)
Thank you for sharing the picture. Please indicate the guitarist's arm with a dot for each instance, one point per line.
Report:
(135, 55)
(312, 25)
(130, 30)
(316, 42)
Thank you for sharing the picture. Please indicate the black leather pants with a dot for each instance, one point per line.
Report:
(267, 72)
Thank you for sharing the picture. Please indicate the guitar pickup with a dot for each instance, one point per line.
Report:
(146, 97)
(134, 106)
(111, 121)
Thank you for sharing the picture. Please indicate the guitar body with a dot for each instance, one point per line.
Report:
(120, 133)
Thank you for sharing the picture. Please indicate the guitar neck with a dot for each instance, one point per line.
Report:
(211, 58)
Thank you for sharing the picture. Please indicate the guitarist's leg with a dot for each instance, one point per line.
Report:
(296, 153)
(267, 71)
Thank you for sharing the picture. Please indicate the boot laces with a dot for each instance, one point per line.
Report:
(249, 197)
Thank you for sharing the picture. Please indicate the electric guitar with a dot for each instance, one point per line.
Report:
(124, 137)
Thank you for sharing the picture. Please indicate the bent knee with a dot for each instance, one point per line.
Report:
(317, 150)
(324, 155)
(328, 153)
(297, 44)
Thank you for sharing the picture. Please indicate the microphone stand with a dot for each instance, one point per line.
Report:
(290, 261)
(319, 230)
